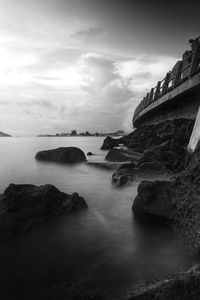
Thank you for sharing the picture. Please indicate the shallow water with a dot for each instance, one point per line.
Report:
(103, 244)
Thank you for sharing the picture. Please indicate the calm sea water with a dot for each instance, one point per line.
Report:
(103, 244)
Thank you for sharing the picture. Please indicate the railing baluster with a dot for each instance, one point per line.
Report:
(157, 93)
(177, 77)
(166, 83)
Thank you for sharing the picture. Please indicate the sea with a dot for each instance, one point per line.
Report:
(104, 245)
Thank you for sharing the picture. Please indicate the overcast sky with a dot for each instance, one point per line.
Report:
(85, 64)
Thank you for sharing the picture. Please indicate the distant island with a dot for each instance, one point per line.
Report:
(3, 134)
(86, 133)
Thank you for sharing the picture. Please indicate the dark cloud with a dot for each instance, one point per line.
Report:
(88, 35)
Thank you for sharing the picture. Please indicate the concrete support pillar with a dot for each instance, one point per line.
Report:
(195, 137)
(166, 83)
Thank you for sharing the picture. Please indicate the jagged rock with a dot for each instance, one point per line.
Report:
(109, 143)
(151, 168)
(185, 286)
(25, 204)
(63, 154)
(90, 154)
(119, 179)
(117, 155)
(154, 200)
(169, 159)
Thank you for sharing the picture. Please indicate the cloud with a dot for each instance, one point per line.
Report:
(88, 35)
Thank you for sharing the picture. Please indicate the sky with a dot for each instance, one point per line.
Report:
(85, 64)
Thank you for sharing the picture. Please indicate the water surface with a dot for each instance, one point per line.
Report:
(103, 244)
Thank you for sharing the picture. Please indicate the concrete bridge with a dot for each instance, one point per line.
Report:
(177, 95)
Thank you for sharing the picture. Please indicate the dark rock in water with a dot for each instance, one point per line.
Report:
(119, 179)
(118, 155)
(109, 143)
(185, 286)
(24, 204)
(153, 200)
(3, 134)
(90, 153)
(63, 154)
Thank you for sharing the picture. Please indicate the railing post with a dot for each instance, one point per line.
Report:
(177, 77)
(157, 92)
(196, 56)
(166, 83)
(146, 100)
(151, 96)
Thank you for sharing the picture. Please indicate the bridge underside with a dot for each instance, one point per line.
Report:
(185, 105)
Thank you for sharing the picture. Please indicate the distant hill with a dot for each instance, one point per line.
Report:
(3, 134)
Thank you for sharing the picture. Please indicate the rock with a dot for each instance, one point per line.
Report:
(109, 143)
(169, 159)
(26, 204)
(63, 154)
(108, 166)
(185, 286)
(3, 134)
(151, 168)
(119, 179)
(153, 201)
(90, 153)
(118, 155)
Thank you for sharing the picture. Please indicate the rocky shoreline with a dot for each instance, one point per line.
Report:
(163, 149)
(170, 193)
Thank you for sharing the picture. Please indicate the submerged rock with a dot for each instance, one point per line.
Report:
(185, 286)
(119, 179)
(62, 154)
(24, 204)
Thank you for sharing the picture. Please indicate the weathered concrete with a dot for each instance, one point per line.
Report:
(195, 137)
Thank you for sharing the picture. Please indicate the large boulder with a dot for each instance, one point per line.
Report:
(24, 204)
(153, 201)
(117, 155)
(62, 154)
(109, 143)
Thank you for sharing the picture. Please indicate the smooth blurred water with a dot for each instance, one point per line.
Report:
(103, 244)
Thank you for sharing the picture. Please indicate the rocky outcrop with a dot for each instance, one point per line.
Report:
(185, 286)
(109, 143)
(119, 179)
(117, 155)
(180, 196)
(3, 134)
(154, 201)
(175, 133)
(22, 205)
(63, 155)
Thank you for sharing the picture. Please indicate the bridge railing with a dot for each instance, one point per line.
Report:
(183, 69)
